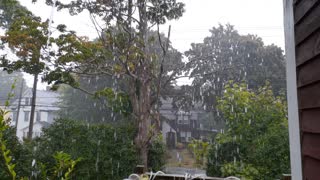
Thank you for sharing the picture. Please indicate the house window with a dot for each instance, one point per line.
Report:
(183, 119)
(26, 116)
(38, 118)
(185, 136)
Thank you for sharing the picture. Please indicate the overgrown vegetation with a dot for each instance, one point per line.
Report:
(128, 69)
(10, 146)
(200, 150)
(5, 152)
(106, 152)
(156, 153)
(254, 144)
(101, 151)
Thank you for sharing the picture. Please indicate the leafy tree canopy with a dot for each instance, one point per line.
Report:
(226, 55)
(256, 128)
(9, 10)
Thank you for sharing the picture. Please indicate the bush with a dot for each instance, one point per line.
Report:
(106, 152)
(199, 150)
(101, 151)
(156, 154)
(255, 143)
(21, 156)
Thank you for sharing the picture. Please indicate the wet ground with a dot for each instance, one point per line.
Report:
(181, 161)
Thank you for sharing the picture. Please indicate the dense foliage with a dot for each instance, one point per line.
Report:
(15, 158)
(148, 66)
(21, 158)
(9, 9)
(199, 150)
(106, 152)
(102, 152)
(124, 50)
(105, 106)
(254, 144)
(156, 153)
(227, 55)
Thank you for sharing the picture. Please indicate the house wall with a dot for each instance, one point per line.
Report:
(44, 116)
(23, 124)
(37, 130)
(45, 111)
(307, 55)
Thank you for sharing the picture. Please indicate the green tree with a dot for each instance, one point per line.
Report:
(254, 144)
(124, 51)
(226, 55)
(27, 37)
(106, 106)
(110, 101)
(9, 9)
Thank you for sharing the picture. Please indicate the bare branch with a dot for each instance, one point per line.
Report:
(164, 49)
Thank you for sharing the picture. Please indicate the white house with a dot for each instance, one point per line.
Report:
(45, 111)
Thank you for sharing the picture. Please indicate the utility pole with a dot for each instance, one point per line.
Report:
(19, 104)
(33, 105)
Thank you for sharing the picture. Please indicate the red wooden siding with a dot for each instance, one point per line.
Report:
(307, 38)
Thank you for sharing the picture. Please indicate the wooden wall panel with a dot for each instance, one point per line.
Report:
(308, 25)
(309, 97)
(310, 121)
(302, 9)
(307, 39)
(310, 166)
(314, 150)
(296, 1)
(307, 73)
(309, 49)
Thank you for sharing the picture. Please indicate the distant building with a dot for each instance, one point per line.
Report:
(45, 112)
(179, 126)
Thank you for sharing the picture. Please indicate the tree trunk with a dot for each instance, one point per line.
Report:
(33, 105)
(143, 152)
(140, 97)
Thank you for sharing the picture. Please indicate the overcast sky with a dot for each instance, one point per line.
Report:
(261, 17)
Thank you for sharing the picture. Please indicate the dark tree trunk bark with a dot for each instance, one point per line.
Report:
(33, 105)
(142, 96)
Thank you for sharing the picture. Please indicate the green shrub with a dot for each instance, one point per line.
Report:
(255, 143)
(106, 152)
(199, 149)
(156, 154)
(21, 155)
